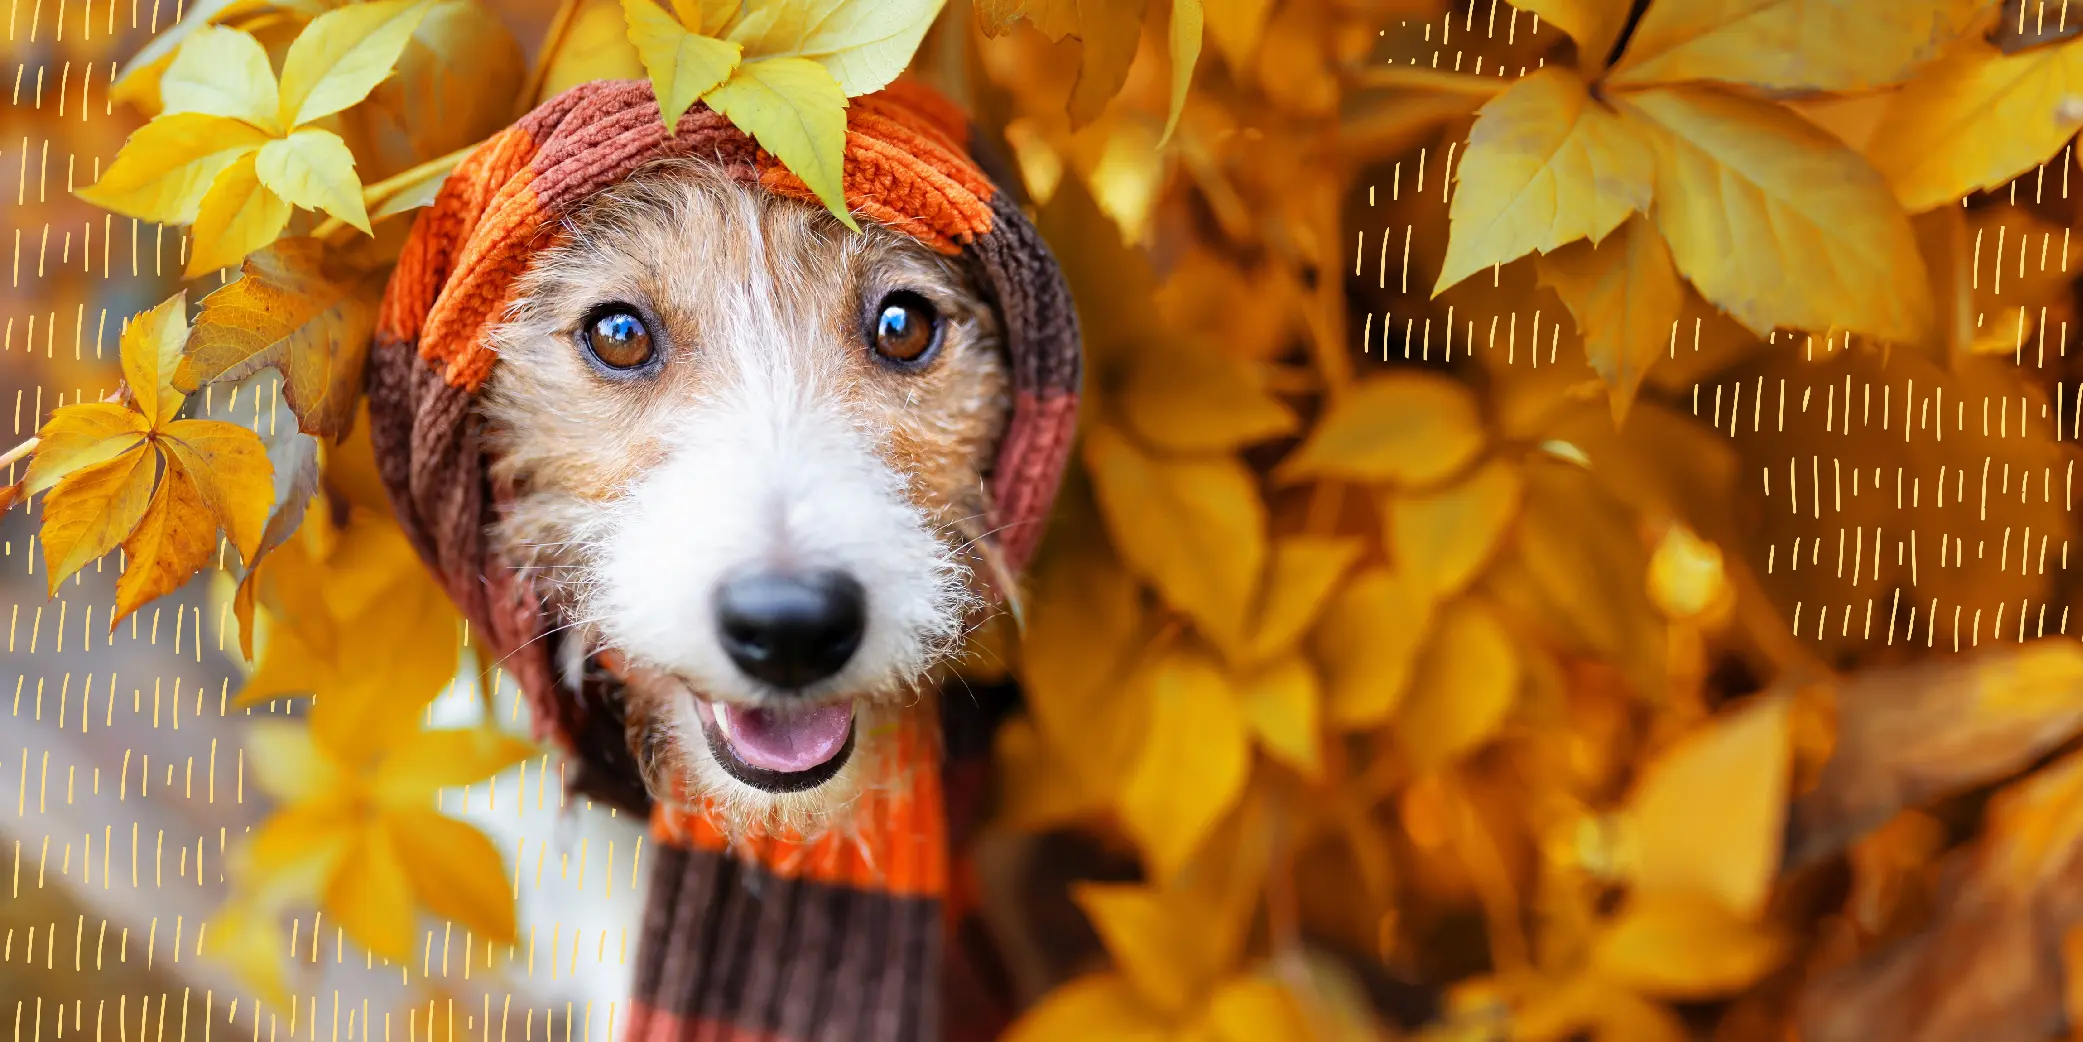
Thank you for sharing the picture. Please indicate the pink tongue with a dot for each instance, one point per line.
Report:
(786, 740)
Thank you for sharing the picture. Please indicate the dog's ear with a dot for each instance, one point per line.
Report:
(1043, 349)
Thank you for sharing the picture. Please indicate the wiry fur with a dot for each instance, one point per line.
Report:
(770, 437)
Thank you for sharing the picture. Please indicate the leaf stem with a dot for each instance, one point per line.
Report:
(378, 193)
(392, 185)
(539, 70)
(11, 456)
(1407, 78)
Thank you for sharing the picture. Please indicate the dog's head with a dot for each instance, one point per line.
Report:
(747, 448)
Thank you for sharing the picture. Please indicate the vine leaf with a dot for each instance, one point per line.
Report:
(136, 476)
(299, 311)
(231, 153)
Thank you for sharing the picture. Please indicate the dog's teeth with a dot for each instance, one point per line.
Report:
(722, 718)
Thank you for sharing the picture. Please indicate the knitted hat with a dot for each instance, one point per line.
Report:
(908, 167)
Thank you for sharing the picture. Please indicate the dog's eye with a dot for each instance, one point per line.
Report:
(906, 329)
(618, 338)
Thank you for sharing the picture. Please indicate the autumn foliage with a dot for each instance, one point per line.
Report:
(1476, 613)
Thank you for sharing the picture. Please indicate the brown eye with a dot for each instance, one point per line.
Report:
(906, 329)
(617, 337)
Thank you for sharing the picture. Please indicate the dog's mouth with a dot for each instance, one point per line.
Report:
(779, 749)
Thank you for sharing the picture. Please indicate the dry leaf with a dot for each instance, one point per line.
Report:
(1626, 298)
(1409, 428)
(299, 312)
(1978, 119)
(1792, 44)
(1546, 165)
(1823, 243)
(1708, 813)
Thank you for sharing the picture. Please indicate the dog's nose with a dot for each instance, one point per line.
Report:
(791, 631)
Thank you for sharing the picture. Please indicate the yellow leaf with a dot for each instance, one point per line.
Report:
(288, 765)
(312, 168)
(1196, 732)
(164, 170)
(92, 509)
(248, 939)
(1102, 1007)
(292, 663)
(595, 47)
(299, 311)
(1165, 945)
(456, 84)
(1194, 527)
(1200, 401)
(1185, 39)
(138, 81)
(1626, 298)
(370, 896)
(1777, 222)
(172, 542)
(1685, 573)
(1546, 165)
(1082, 636)
(377, 704)
(299, 848)
(1128, 174)
(1682, 948)
(864, 44)
(1594, 24)
(1464, 688)
(1441, 539)
(1708, 814)
(1367, 642)
(222, 72)
(1411, 428)
(683, 66)
(1791, 44)
(708, 17)
(1236, 26)
(796, 110)
(231, 471)
(1588, 1006)
(1975, 120)
(1303, 572)
(1108, 33)
(1041, 788)
(82, 435)
(1280, 702)
(1255, 1009)
(455, 871)
(413, 770)
(238, 216)
(150, 350)
(342, 55)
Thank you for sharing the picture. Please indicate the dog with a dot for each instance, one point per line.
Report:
(747, 448)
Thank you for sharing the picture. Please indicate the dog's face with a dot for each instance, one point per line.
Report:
(746, 447)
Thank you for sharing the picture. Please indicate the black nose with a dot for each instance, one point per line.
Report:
(791, 631)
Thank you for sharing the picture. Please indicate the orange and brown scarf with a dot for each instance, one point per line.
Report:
(780, 939)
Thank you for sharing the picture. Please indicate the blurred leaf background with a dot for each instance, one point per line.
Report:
(1515, 583)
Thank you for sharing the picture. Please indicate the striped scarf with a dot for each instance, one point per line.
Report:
(842, 936)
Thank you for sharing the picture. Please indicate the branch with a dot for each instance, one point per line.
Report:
(14, 455)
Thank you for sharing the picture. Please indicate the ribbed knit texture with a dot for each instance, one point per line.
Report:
(770, 938)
